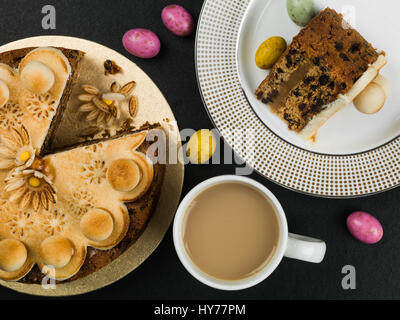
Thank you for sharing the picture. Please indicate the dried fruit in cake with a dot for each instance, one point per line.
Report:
(325, 67)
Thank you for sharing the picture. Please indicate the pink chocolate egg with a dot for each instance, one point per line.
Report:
(178, 20)
(141, 43)
(364, 227)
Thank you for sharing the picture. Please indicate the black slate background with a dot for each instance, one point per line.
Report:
(162, 276)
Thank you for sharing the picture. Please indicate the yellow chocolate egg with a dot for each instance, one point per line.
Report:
(201, 146)
(269, 52)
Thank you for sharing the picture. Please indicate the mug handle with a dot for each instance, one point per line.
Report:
(305, 248)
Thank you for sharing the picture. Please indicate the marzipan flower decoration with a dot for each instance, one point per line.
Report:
(16, 149)
(42, 106)
(104, 108)
(10, 115)
(94, 172)
(30, 188)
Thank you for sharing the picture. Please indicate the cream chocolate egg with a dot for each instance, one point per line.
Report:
(97, 225)
(37, 77)
(56, 251)
(371, 100)
(13, 255)
(384, 83)
(4, 93)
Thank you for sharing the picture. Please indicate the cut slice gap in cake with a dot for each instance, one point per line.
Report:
(44, 110)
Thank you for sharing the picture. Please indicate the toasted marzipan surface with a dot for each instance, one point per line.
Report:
(13, 58)
(140, 211)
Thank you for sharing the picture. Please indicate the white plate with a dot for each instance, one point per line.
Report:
(349, 131)
(338, 165)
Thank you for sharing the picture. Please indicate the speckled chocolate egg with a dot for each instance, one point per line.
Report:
(364, 227)
(269, 52)
(141, 43)
(178, 20)
(300, 11)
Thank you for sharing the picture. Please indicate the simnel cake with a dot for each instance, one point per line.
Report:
(66, 213)
(325, 67)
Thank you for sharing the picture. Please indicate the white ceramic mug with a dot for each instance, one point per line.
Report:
(290, 245)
